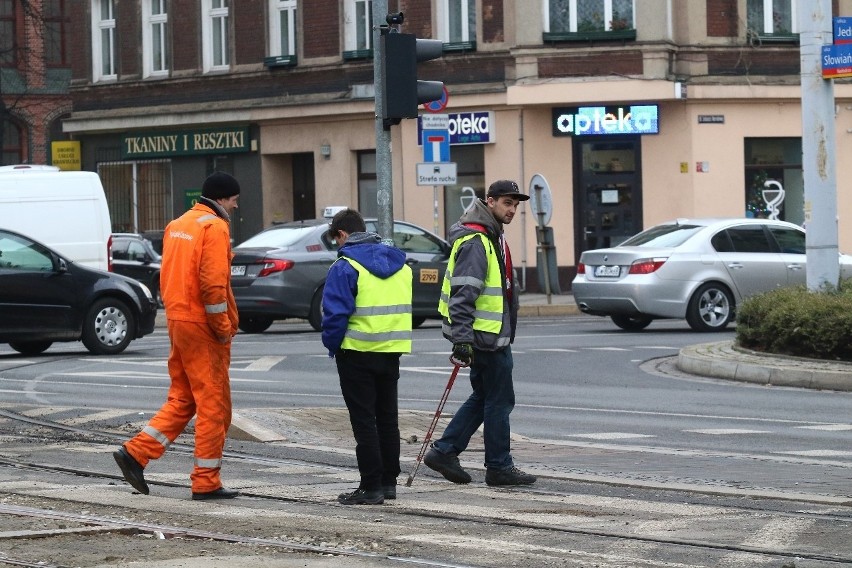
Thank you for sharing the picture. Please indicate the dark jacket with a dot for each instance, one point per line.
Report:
(341, 285)
(472, 261)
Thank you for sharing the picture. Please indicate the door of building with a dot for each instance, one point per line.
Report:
(607, 191)
(304, 190)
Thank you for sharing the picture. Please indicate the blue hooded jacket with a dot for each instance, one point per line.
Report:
(341, 284)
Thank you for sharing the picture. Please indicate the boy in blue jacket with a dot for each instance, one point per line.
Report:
(366, 327)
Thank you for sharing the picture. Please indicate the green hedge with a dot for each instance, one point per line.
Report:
(795, 321)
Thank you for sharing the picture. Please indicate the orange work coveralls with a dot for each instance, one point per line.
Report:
(195, 280)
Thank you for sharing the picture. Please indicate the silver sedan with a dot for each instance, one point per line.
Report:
(697, 269)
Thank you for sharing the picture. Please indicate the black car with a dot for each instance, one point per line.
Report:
(280, 272)
(135, 256)
(44, 297)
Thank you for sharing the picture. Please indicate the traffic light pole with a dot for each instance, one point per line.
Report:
(384, 178)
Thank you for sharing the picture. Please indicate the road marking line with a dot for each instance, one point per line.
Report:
(606, 349)
(828, 427)
(103, 415)
(263, 363)
(726, 431)
(818, 453)
(557, 350)
(611, 436)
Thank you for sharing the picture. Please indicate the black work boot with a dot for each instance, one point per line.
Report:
(363, 497)
(389, 491)
(511, 476)
(132, 471)
(447, 465)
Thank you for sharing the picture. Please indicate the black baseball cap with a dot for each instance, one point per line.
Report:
(506, 187)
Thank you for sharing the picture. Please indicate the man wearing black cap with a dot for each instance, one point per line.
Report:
(479, 305)
(195, 280)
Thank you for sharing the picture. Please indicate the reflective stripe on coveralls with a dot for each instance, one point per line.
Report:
(488, 308)
(381, 322)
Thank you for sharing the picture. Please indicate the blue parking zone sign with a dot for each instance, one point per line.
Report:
(436, 145)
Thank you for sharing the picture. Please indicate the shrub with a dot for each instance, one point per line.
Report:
(796, 321)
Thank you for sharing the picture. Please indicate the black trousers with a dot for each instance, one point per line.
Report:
(368, 382)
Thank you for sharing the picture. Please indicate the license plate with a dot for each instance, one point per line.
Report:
(428, 275)
(238, 270)
(607, 271)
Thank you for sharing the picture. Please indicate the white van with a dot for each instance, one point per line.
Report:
(67, 211)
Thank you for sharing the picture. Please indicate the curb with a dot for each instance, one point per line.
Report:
(723, 360)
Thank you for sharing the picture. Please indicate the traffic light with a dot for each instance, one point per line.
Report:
(401, 90)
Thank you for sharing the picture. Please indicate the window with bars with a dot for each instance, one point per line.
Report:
(589, 19)
(155, 37)
(139, 194)
(772, 17)
(12, 147)
(103, 40)
(358, 33)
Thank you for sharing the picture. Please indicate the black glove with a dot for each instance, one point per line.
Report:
(462, 354)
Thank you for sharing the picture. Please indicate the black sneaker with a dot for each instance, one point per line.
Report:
(389, 491)
(511, 476)
(131, 470)
(447, 465)
(363, 497)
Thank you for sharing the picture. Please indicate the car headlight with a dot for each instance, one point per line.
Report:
(147, 291)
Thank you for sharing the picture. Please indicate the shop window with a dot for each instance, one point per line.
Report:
(7, 32)
(139, 194)
(368, 184)
(769, 20)
(103, 40)
(155, 38)
(779, 162)
(55, 27)
(215, 35)
(12, 147)
(282, 33)
(584, 20)
(470, 178)
(358, 34)
(457, 24)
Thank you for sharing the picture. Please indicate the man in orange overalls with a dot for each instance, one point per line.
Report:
(195, 280)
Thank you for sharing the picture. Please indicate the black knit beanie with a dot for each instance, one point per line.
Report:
(219, 185)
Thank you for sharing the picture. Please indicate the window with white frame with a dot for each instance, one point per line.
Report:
(103, 40)
(583, 16)
(457, 21)
(282, 27)
(777, 17)
(154, 39)
(358, 18)
(214, 35)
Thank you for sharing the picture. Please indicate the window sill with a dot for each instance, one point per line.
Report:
(357, 54)
(279, 61)
(615, 35)
(459, 47)
(792, 39)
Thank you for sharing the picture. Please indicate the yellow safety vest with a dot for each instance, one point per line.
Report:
(381, 322)
(488, 308)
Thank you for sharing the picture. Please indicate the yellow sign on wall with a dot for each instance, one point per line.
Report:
(66, 155)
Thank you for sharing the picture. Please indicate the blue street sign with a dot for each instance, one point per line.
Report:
(837, 61)
(436, 145)
(842, 30)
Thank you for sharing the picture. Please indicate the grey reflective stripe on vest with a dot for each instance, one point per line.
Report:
(205, 218)
(382, 310)
(466, 281)
(492, 316)
(447, 329)
(214, 463)
(503, 341)
(387, 336)
(216, 308)
(157, 435)
(492, 291)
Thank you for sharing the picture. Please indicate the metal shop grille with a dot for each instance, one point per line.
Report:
(139, 194)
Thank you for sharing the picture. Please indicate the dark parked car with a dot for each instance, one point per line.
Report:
(134, 256)
(280, 272)
(44, 297)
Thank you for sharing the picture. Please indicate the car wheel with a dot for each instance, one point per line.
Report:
(30, 347)
(631, 323)
(417, 321)
(315, 317)
(254, 324)
(158, 295)
(108, 327)
(711, 308)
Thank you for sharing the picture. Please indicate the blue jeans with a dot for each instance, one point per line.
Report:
(490, 404)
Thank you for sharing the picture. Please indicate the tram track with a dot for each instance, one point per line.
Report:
(477, 521)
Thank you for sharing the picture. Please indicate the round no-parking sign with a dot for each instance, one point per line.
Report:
(440, 104)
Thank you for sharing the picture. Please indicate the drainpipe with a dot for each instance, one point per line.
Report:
(522, 182)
